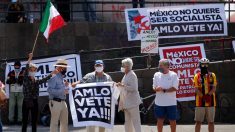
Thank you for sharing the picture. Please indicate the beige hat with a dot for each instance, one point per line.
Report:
(61, 63)
(33, 65)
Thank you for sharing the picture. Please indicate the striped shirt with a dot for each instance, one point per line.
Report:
(205, 83)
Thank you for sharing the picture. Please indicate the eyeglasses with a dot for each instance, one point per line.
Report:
(204, 65)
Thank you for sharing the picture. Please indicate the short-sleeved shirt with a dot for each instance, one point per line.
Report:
(92, 77)
(166, 81)
(204, 83)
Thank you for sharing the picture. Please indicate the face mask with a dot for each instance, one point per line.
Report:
(99, 69)
(63, 72)
(161, 70)
(204, 70)
(13, 1)
(122, 69)
(17, 70)
(32, 74)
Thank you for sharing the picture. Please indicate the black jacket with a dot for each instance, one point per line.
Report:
(31, 87)
(11, 78)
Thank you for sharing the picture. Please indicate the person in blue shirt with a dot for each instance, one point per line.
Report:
(57, 89)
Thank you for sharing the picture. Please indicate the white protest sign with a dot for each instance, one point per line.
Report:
(92, 104)
(177, 21)
(149, 41)
(46, 66)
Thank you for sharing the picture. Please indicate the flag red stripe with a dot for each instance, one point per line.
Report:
(56, 22)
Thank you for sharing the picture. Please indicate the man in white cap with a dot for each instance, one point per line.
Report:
(97, 76)
(57, 89)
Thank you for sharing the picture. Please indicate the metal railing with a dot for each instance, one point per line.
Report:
(104, 11)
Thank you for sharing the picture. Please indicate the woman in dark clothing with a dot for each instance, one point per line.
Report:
(31, 93)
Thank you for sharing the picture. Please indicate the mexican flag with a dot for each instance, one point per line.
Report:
(51, 21)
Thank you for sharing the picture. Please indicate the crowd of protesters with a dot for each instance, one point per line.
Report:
(24, 92)
(24, 87)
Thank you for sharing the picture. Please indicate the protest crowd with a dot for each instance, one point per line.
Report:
(165, 84)
(92, 98)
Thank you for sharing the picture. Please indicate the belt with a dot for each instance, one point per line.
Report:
(58, 99)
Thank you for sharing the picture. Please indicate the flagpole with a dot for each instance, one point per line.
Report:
(35, 41)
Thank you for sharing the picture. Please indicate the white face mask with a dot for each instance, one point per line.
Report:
(122, 69)
(17, 70)
(32, 74)
(99, 69)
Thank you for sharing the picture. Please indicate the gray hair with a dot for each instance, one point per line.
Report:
(128, 62)
(165, 62)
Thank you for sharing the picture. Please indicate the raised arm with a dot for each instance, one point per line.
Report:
(45, 79)
(26, 71)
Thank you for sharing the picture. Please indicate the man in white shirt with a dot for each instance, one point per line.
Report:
(165, 84)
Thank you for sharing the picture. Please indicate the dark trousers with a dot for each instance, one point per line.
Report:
(135, 3)
(33, 109)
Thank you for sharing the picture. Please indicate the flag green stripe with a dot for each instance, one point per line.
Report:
(45, 18)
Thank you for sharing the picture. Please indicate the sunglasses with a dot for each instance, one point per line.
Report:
(204, 65)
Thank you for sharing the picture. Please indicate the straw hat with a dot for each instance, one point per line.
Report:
(61, 63)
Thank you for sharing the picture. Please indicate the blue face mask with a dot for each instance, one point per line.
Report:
(13, 1)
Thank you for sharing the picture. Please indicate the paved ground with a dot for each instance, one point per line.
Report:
(145, 128)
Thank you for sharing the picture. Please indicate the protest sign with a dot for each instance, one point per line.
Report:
(46, 66)
(184, 62)
(177, 21)
(92, 104)
(149, 41)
